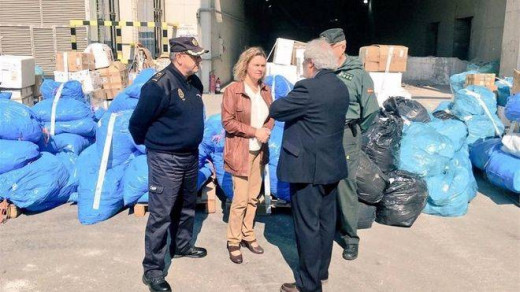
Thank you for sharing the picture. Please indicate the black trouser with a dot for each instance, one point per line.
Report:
(314, 213)
(348, 204)
(172, 181)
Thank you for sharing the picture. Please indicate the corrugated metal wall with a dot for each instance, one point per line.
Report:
(40, 28)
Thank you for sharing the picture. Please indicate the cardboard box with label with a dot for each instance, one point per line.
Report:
(16, 71)
(74, 61)
(114, 77)
(90, 80)
(486, 80)
(375, 58)
(516, 82)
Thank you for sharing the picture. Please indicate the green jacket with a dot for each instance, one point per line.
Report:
(363, 102)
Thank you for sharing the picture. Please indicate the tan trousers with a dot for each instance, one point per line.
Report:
(245, 199)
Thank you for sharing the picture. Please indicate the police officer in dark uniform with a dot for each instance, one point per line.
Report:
(169, 120)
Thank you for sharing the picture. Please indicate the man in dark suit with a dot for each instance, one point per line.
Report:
(313, 160)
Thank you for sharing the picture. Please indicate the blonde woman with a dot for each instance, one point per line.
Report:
(245, 117)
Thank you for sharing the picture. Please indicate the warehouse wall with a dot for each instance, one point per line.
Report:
(411, 30)
(511, 40)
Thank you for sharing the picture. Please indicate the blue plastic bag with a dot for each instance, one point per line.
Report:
(481, 127)
(18, 122)
(279, 189)
(424, 151)
(282, 86)
(457, 80)
(454, 129)
(66, 110)
(71, 89)
(111, 199)
(69, 159)
(122, 102)
(37, 186)
(461, 159)
(122, 147)
(512, 110)
(16, 154)
(480, 66)
(503, 170)
(65, 143)
(134, 90)
(481, 151)
(85, 127)
(443, 106)
(5, 95)
(504, 90)
(467, 104)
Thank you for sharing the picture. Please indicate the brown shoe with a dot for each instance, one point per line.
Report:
(237, 259)
(289, 287)
(254, 248)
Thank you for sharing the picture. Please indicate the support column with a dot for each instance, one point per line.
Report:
(510, 58)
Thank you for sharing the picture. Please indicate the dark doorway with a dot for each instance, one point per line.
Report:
(432, 36)
(461, 38)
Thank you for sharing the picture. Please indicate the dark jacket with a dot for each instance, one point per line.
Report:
(236, 119)
(169, 115)
(314, 116)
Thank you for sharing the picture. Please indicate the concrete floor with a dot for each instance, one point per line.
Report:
(52, 251)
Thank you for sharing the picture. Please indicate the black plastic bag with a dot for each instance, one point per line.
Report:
(444, 115)
(410, 109)
(366, 215)
(404, 199)
(371, 181)
(382, 140)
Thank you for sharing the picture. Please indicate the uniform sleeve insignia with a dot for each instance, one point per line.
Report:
(181, 93)
(158, 76)
(346, 76)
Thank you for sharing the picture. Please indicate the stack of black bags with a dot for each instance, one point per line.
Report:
(387, 195)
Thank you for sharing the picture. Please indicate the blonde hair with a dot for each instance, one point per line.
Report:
(240, 68)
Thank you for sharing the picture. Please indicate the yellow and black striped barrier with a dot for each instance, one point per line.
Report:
(118, 24)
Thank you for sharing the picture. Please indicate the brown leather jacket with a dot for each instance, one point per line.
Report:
(236, 120)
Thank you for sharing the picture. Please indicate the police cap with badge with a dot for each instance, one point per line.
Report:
(188, 45)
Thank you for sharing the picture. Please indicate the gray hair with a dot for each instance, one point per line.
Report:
(320, 53)
(172, 55)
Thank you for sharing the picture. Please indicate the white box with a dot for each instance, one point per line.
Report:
(386, 81)
(287, 71)
(90, 80)
(283, 51)
(16, 71)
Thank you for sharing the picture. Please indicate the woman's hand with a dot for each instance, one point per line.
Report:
(262, 134)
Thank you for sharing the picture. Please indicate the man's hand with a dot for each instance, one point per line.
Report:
(262, 134)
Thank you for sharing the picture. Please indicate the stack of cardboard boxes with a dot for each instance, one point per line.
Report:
(287, 60)
(114, 78)
(17, 77)
(385, 64)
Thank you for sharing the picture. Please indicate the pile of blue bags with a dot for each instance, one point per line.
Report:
(494, 156)
(31, 180)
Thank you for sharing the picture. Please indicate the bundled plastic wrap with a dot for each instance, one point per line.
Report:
(503, 170)
(279, 188)
(504, 90)
(512, 110)
(481, 151)
(424, 151)
(122, 149)
(85, 127)
(279, 85)
(467, 101)
(37, 186)
(481, 127)
(111, 194)
(456, 130)
(404, 199)
(64, 143)
(5, 95)
(16, 154)
(381, 141)
(371, 181)
(71, 89)
(480, 66)
(412, 110)
(69, 160)
(457, 81)
(18, 122)
(366, 215)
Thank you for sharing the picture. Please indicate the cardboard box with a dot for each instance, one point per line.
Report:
(283, 51)
(114, 77)
(74, 61)
(486, 80)
(111, 93)
(516, 82)
(23, 95)
(287, 71)
(375, 58)
(386, 81)
(90, 80)
(16, 71)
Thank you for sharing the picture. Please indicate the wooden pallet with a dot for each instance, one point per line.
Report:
(11, 211)
(208, 196)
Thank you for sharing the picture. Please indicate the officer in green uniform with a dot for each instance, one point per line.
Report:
(362, 110)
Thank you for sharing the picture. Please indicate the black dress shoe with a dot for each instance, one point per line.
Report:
(289, 287)
(157, 284)
(350, 252)
(193, 252)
